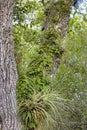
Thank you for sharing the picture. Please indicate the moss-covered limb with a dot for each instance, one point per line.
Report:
(57, 15)
(51, 50)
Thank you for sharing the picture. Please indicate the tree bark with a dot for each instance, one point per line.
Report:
(8, 73)
(57, 13)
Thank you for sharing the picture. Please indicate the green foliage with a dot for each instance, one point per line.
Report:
(38, 55)
(35, 53)
(23, 8)
(71, 77)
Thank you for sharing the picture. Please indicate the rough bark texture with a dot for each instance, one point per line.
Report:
(8, 73)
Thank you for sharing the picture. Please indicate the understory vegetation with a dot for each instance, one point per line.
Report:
(52, 67)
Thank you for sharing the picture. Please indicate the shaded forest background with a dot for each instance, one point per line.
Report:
(52, 65)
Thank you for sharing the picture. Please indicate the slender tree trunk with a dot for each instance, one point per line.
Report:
(8, 73)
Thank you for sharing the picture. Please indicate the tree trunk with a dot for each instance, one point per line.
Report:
(57, 13)
(8, 73)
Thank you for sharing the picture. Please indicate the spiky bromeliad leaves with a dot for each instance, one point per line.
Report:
(42, 108)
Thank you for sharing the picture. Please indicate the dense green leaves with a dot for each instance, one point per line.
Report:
(46, 64)
(72, 74)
